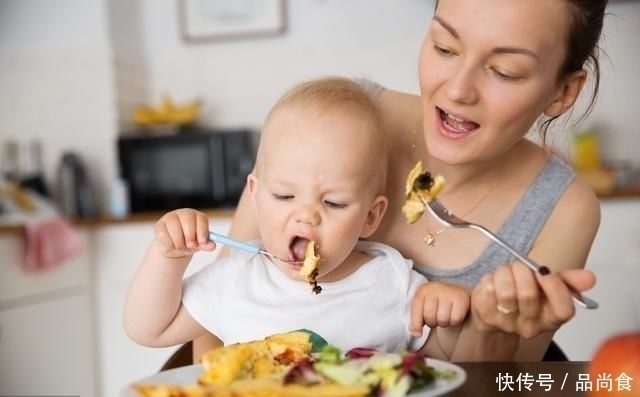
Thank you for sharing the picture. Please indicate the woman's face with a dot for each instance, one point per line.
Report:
(488, 69)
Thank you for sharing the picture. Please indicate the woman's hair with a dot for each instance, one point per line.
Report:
(583, 50)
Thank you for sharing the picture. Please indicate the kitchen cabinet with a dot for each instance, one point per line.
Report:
(47, 341)
(46, 348)
(615, 258)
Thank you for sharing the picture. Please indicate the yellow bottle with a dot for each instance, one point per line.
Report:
(586, 153)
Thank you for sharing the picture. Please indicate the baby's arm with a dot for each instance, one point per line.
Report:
(153, 313)
(443, 307)
(439, 304)
(455, 334)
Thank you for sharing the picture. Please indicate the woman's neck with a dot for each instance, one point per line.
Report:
(468, 176)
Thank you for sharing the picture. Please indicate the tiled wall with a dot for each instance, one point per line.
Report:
(71, 71)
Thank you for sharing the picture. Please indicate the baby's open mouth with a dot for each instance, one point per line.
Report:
(298, 248)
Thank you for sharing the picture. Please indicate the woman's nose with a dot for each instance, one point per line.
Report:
(461, 86)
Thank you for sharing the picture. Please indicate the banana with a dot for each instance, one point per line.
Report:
(167, 113)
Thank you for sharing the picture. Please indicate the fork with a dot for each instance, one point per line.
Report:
(226, 240)
(447, 218)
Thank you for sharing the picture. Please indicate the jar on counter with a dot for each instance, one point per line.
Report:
(119, 199)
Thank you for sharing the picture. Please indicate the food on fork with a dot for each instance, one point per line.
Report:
(420, 183)
(309, 269)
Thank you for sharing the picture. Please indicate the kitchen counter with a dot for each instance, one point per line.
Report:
(224, 213)
(227, 213)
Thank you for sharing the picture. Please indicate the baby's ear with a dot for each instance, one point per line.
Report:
(567, 94)
(374, 216)
(252, 186)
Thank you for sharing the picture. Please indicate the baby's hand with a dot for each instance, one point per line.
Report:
(439, 304)
(182, 233)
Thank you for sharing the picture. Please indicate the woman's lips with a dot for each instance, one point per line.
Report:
(454, 126)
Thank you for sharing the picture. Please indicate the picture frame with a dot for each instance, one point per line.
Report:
(210, 20)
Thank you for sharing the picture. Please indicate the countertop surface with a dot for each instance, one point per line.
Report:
(226, 213)
(622, 194)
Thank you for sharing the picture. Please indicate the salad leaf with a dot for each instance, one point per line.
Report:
(386, 374)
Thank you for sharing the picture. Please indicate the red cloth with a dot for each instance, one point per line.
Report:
(49, 242)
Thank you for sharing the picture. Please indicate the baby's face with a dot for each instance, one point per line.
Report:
(313, 183)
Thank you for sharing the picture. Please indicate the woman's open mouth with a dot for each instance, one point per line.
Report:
(455, 126)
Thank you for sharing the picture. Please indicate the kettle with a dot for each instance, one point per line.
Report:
(75, 195)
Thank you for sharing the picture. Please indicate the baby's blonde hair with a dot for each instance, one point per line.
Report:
(329, 94)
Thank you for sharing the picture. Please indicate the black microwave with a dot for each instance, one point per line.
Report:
(197, 168)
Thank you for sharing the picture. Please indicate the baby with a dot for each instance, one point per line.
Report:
(320, 176)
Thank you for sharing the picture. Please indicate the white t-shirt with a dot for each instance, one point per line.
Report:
(244, 297)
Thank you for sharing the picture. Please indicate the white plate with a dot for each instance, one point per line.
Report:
(188, 376)
(442, 386)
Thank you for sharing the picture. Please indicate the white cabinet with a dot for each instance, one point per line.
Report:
(47, 341)
(46, 348)
(118, 251)
(615, 258)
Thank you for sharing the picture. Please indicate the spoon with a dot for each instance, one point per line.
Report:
(222, 239)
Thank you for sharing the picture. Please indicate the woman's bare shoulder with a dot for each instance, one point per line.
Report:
(400, 111)
(579, 202)
(572, 226)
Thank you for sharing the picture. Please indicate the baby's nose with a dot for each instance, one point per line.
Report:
(308, 215)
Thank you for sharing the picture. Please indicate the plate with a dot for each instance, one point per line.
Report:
(188, 375)
(442, 386)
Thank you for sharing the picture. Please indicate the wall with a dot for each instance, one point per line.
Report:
(56, 80)
(72, 70)
(240, 79)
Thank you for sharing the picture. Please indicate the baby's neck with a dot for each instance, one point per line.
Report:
(351, 263)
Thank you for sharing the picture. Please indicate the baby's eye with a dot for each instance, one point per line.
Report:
(333, 204)
(283, 197)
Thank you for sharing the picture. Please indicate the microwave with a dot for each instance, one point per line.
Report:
(197, 168)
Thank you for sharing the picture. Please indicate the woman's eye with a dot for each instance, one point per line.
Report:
(282, 197)
(442, 50)
(333, 204)
(505, 76)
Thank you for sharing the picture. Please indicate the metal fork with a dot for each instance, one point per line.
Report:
(222, 239)
(447, 218)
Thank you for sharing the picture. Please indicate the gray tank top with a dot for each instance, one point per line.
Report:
(521, 228)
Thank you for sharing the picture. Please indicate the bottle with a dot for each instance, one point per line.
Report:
(586, 151)
(119, 199)
(32, 175)
(10, 167)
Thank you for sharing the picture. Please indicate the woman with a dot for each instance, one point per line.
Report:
(488, 71)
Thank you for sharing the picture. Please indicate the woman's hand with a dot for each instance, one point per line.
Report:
(516, 300)
(182, 233)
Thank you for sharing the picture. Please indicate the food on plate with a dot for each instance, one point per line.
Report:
(253, 388)
(420, 183)
(282, 365)
(309, 269)
(254, 360)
